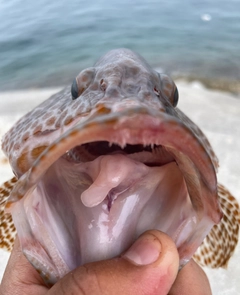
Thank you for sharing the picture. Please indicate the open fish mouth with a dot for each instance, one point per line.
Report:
(107, 179)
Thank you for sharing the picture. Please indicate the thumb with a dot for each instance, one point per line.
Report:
(149, 266)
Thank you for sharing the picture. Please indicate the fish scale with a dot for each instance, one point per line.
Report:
(59, 150)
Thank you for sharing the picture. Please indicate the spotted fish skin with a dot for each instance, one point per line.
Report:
(119, 120)
(7, 228)
(220, 244)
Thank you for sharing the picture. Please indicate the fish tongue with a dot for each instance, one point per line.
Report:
(108, 172)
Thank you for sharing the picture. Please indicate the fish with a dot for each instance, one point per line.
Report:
(106, 159)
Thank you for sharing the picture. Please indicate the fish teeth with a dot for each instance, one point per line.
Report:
(123, 145)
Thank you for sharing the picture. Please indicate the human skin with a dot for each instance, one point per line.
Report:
(148, 267)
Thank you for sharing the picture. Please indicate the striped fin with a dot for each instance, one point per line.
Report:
(7, 228)
(220, 243)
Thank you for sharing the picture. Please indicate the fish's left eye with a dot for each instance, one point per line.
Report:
(74, 89)
(175, 97)
(168, 89)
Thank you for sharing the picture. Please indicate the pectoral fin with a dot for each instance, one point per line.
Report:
(220, 243)
(7, 228)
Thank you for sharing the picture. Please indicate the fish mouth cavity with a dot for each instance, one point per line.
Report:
(103, 148)
(151, 155)
(114, 194)
(91, 155)
(93, 201)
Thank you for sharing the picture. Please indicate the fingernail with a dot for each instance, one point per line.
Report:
(144, 251)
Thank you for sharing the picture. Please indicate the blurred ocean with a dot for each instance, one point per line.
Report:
(46, 43)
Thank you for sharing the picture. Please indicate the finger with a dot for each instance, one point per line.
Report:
(149, 267)
(191, 280)
(20, 276)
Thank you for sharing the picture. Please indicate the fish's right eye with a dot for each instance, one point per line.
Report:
(74, 89)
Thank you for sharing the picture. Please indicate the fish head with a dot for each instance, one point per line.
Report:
(120, 80)
(105, 160)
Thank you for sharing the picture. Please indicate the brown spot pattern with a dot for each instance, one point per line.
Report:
(51, 121)
(36, 152)
(68, 120)
(22, 163)
(7, 228)
(220, 243)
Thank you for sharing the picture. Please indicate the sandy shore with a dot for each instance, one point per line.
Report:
(217, 113)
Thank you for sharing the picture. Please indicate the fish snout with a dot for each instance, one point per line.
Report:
(125, 97)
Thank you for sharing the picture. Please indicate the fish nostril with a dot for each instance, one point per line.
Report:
(103, 85)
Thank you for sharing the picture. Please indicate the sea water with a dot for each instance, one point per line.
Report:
(46, 43)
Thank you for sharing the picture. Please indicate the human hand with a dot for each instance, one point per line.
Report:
(149, 267)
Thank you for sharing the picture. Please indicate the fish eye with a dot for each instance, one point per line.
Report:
(175, 97)
(74, 89)
(169, 89)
